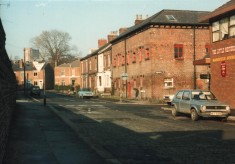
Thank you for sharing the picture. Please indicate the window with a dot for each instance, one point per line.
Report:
(178, 51)
(186, 95)
(179, 95)
(100, 81)
(170, 17)
(147, 54)
(224, 29)
(215, 31)
(123, 60)
(35, 83)
(73, 72)
(62, 83)
(232, 26)
(133, 58)
(114, 62)
(35, 74)
(90, 65)
(168, 83)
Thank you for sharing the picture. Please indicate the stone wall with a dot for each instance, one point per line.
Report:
(7, 93)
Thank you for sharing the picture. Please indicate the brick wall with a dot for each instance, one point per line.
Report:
(149, 74)
(7, 93)
(223, 87)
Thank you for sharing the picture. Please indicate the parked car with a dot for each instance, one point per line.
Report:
(168, 99)
(85, 93)
(35, 90)
(199, 103)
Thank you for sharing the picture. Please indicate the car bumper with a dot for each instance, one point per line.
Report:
(215, 114)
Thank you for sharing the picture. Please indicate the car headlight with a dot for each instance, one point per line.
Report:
(228, 108)
(203, 108)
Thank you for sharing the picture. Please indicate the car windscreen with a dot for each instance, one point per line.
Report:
(203, 95)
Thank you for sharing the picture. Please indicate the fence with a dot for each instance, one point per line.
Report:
(7, 93)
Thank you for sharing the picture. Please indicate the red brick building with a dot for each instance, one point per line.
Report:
(34, 74)
(222, 63)
(68, 74)
(157, 54)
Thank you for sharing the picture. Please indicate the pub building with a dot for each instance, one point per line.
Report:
(222, 52)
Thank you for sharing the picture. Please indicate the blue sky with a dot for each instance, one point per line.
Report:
(86, 21)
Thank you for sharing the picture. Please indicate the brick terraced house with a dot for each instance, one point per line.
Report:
(32, 73)
(157, 55)
(68, 74)
(222, 58)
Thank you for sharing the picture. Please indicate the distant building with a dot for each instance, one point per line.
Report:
(34, 74)
(31, 55)
(68, 74)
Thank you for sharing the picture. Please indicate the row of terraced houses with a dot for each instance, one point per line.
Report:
(158, 55)
(171, 50)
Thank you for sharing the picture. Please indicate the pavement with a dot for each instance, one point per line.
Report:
(38, 136)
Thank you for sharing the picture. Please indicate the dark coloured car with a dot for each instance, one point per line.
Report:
(199, 103)
(35, 90)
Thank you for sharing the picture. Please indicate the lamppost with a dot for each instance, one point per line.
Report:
(44, 86)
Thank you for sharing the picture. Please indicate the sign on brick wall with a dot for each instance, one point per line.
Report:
(223, 69)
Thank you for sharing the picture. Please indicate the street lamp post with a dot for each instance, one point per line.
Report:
(44, 87)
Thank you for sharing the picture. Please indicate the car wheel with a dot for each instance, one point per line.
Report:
(174, 112)
(194, 115)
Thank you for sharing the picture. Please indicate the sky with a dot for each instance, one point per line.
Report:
(86, 21)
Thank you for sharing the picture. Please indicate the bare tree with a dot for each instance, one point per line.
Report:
(53, 45)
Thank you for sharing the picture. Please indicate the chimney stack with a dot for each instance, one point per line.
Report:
(138, 19)
(101, 42)
(21, 63)
(112, 35)
(122, 30)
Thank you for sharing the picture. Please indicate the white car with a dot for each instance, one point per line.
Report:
(85, 93)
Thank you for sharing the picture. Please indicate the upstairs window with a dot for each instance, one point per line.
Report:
(178, 51)
(224, 29)
(215, 31)
(232, 26)
(123, 60)
(147, 55)
(35, 74)
(134, 58)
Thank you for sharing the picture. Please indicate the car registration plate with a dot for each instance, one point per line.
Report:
(215, 113)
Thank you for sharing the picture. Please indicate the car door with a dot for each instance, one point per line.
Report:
(185, 102)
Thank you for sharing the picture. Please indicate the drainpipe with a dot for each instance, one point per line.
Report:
(125, 66)
(194, 57)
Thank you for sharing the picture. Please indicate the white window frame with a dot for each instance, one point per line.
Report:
(168, 83)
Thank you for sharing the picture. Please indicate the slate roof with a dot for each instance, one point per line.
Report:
(182, 17)
(28, 67)
(96, 52)
(75, 63)
(226, 8)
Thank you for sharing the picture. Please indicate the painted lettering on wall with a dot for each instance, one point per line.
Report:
(220, 59)
(223, 50)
